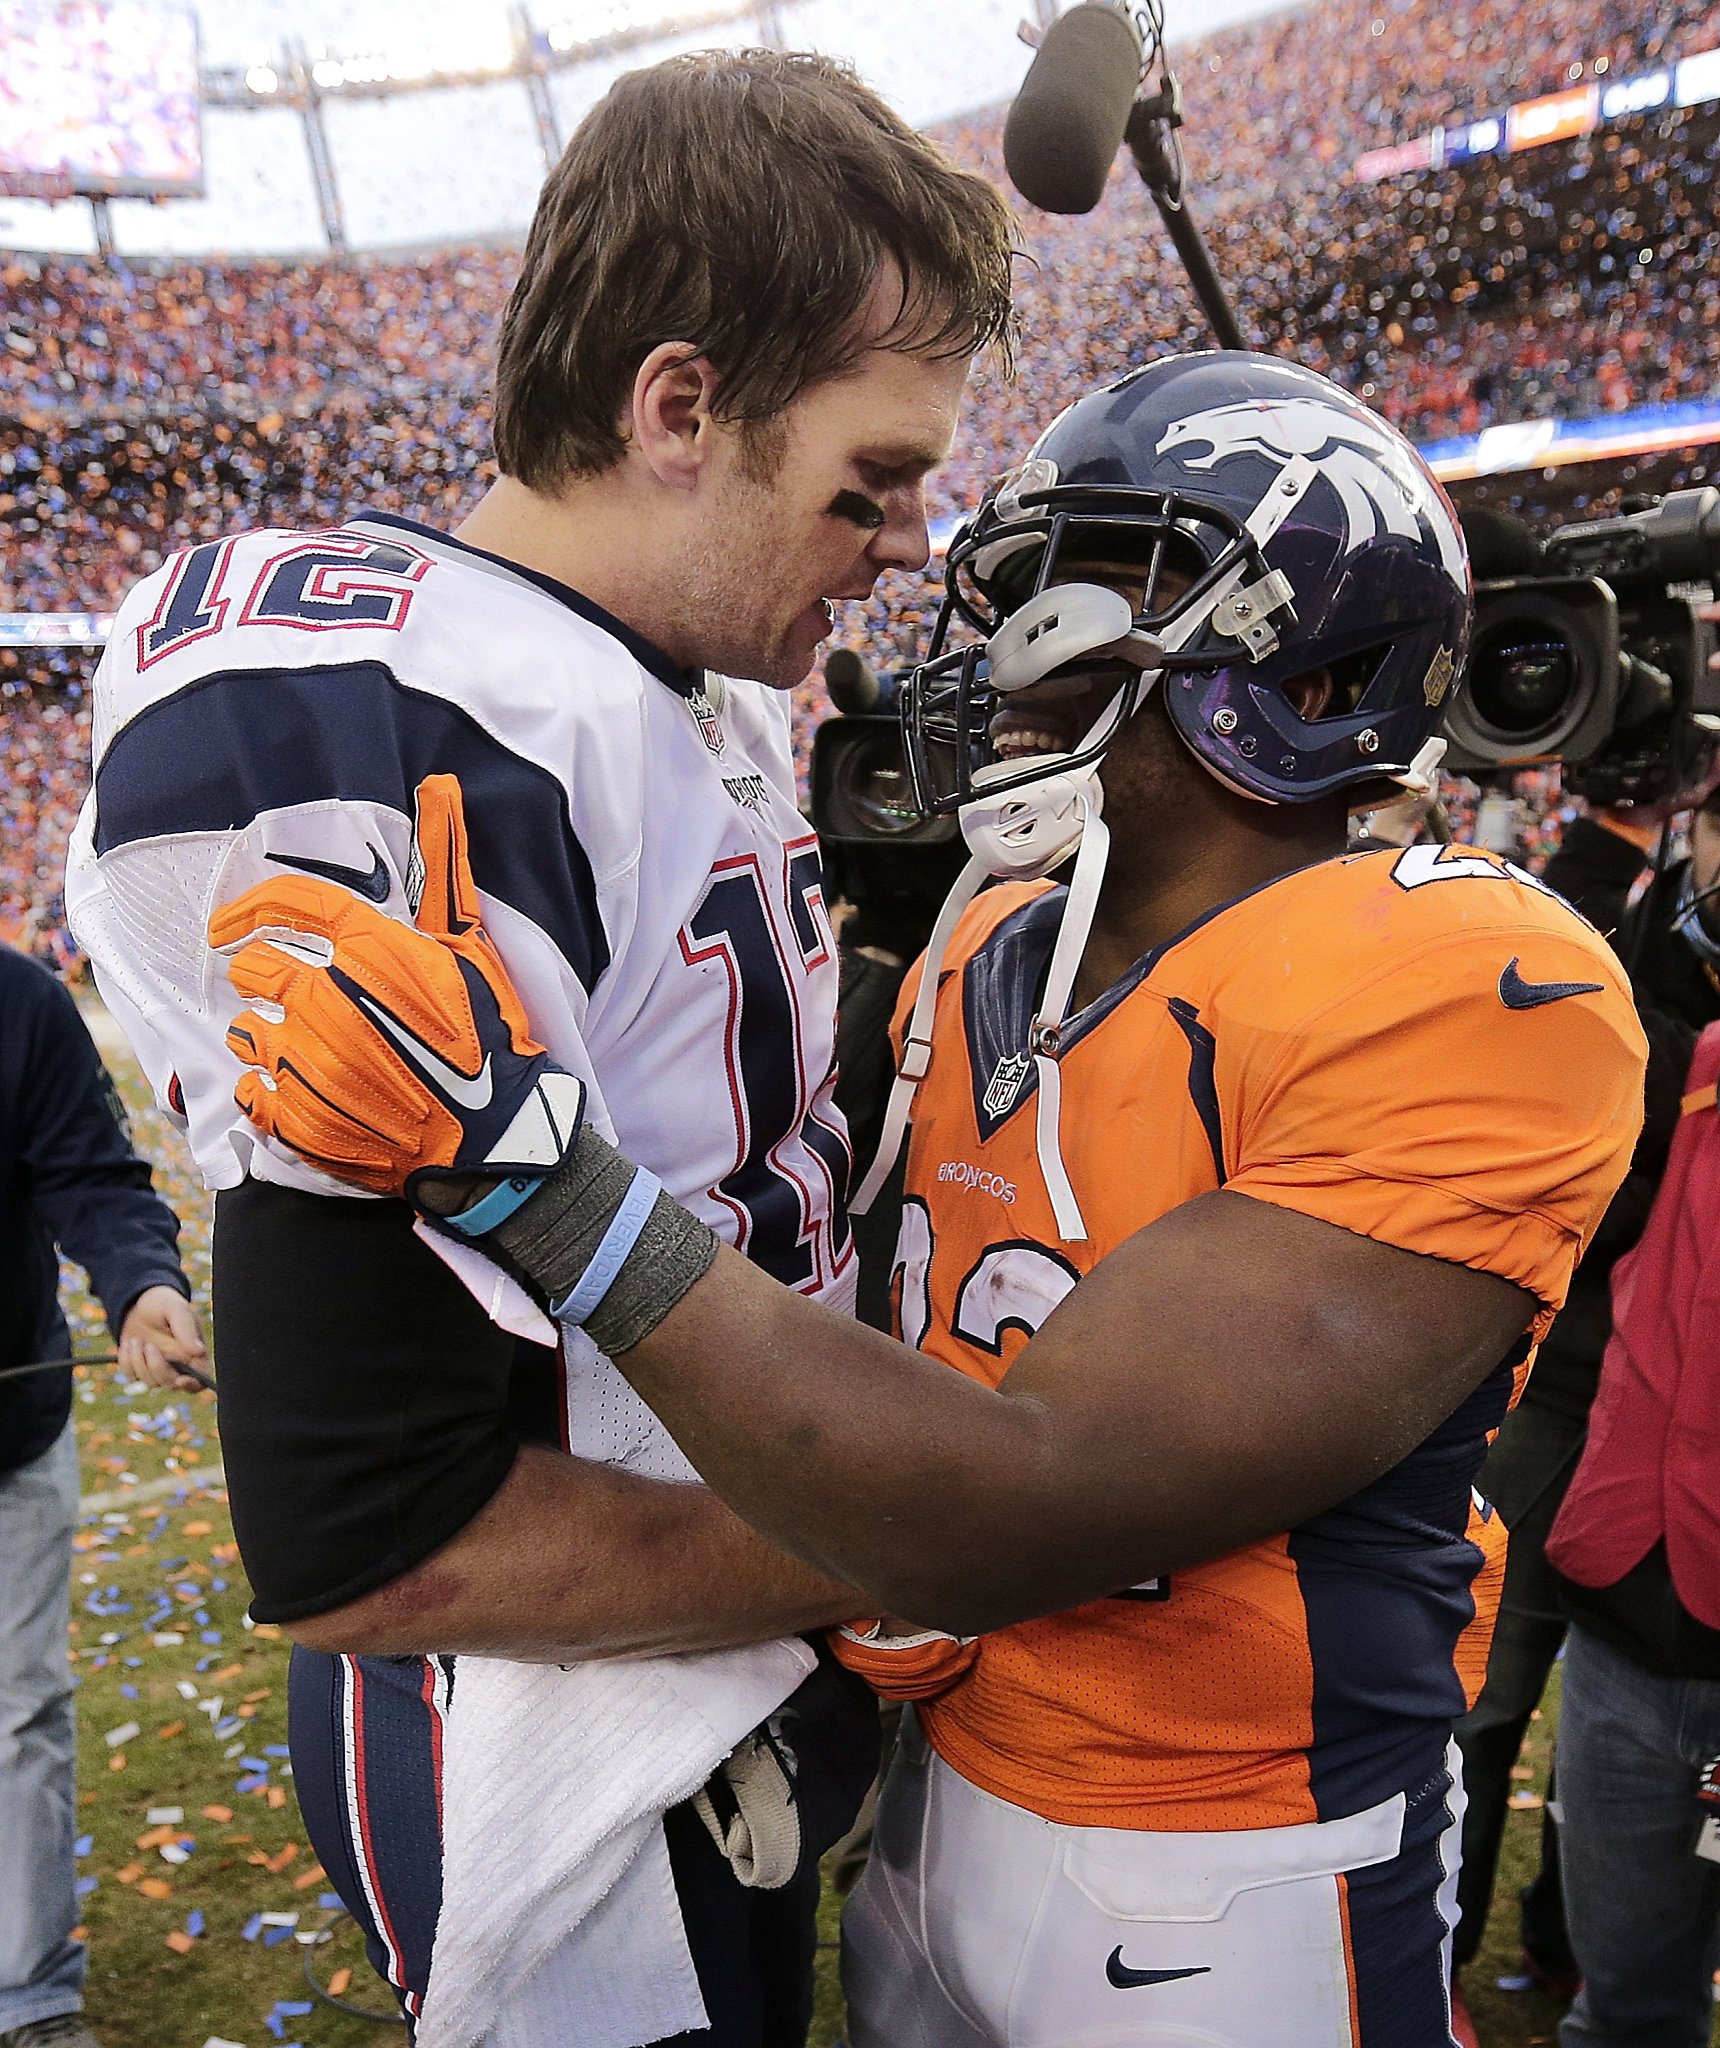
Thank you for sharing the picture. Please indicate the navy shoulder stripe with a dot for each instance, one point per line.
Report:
(231, 745)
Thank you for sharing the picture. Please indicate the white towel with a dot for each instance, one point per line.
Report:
(560, 1927)
(554, 1785)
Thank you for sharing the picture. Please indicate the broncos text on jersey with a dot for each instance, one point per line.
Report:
(1427, 1048)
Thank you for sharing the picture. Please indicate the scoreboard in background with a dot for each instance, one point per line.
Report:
(99, 98)
(1556, 117)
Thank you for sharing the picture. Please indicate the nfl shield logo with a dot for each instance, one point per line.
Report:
(710, 725)
(1006, 1082)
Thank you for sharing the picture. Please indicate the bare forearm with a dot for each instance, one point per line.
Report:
(571, 1561)
(1154, 1422)
(854, 1446)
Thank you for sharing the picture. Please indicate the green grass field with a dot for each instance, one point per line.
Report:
(183, 1715)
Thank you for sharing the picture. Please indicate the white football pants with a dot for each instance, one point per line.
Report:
(979, 1925)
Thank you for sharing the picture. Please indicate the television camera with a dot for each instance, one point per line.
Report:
(1592, 653)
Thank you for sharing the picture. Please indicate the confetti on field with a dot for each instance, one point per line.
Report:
(178, 1877)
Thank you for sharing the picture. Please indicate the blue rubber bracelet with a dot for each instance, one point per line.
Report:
(618, 1240)
(496, 1207)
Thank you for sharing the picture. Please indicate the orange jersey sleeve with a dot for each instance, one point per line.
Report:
(1471, 1090)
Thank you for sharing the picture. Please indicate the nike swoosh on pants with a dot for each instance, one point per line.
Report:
(1118, 1972)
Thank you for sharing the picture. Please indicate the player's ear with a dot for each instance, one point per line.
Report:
(671, 425)
(1310, 693)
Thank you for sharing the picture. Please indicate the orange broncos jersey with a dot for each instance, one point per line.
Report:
(1425, 1047)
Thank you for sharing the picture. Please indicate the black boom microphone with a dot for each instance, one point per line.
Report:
(1066, 126)
(852, 685)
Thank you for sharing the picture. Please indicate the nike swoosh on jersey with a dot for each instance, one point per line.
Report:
(1118, 1972)
(470, 1091)
(376, 885)
(1517, 994)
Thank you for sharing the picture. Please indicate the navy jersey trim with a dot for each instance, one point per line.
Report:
(214, 755)
(1202, 1078)
(1386, 1579)
(684, 682)
(1001, 986)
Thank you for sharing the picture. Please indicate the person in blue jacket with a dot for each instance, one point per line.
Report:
(70, 1180)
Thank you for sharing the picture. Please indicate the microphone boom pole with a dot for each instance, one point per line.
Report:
(1157, 155)
(1075, 109)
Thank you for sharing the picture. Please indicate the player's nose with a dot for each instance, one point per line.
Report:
(903, 541)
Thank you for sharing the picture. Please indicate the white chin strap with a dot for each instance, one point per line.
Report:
(1421, 777)
(1045, 1037)
(1021, 835)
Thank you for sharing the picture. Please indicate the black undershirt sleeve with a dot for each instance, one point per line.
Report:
(368, 1406)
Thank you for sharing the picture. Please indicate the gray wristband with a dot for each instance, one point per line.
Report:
(556, 1237)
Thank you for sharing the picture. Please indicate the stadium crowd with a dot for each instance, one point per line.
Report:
(143, 409)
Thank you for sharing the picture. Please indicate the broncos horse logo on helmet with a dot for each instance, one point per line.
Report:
(1306, 534)
(1382, 484)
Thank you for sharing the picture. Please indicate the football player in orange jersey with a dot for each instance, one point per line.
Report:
(1244, 1178)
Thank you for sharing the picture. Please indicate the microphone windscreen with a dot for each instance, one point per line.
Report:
(1499, 543)
(849, 679)
(1066, 126)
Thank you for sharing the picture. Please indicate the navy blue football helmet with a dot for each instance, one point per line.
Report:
(1268, 524)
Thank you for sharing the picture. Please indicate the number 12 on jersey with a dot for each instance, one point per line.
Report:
(789, 1183)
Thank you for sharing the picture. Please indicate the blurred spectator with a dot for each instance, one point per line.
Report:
(68, 1178)
(1638, 1544)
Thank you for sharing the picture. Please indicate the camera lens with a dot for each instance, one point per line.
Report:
(873, 789)
(1520, 683)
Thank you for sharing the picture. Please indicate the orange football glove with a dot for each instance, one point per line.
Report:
(382, 1051)
(903, 1667)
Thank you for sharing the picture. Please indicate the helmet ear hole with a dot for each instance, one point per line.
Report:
(1352, 677)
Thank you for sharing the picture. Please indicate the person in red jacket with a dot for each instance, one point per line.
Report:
(1638, 1543)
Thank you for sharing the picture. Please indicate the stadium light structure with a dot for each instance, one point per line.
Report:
(480, 54)
(508, 47)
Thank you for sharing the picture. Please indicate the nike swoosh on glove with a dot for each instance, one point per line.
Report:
(388, 1053)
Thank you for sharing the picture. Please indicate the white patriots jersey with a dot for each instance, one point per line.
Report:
(269, 703)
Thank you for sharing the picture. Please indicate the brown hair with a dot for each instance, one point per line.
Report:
(746, 202)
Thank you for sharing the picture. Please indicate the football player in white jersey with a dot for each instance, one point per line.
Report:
(744, 320)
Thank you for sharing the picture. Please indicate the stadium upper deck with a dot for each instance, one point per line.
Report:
(144, 407)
